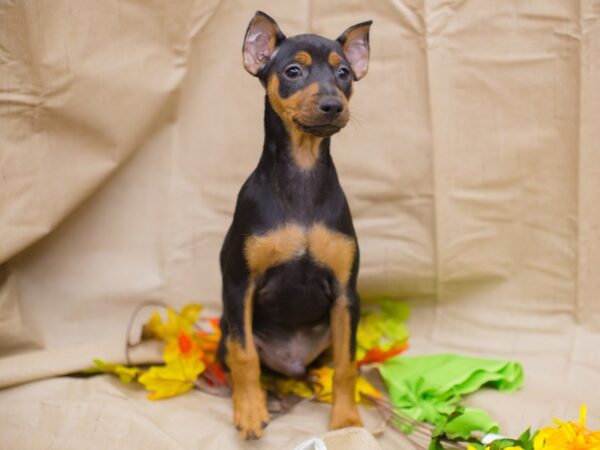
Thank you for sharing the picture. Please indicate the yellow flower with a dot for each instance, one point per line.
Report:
(568, 436)
(516, 447)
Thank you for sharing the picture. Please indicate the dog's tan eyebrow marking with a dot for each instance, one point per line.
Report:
(334, 59)
(303, 58)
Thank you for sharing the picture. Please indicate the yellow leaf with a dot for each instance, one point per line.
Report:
(171, 352)
(177, 377)
(323, 382)
(154, 327)
(125, 374)
(363, 387)
(191, 312)
(294, 386)
(323, 379)
(381, 328)
(176, 322)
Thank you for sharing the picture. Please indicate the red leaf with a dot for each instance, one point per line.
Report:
(376, 355)
(185, 343)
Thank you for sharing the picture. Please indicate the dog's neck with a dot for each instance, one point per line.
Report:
(291, 149)
(302, 189)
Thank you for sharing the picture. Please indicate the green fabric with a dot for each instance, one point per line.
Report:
(429, 387)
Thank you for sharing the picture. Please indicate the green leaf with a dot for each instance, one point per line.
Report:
(500, 444)
(525, 436)
(435, 444)
(471, 419)
(440, 428)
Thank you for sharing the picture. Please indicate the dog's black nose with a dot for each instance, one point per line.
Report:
(330, 107)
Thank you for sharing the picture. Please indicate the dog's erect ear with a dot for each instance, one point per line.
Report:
(355, 44)
(262, 37)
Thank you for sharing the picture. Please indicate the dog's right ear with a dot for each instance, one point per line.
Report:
(262, 37)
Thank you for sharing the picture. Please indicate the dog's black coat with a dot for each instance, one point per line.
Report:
(290, 258)
(300, 293)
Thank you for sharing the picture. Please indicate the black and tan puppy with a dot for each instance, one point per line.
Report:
(290, 258)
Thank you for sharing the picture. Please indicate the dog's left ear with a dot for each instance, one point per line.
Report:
(355, 44)
(262, 37)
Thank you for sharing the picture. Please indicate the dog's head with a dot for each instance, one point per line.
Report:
(308, 78)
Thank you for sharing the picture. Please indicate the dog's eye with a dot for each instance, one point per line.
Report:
(343, 73)
(293, 72)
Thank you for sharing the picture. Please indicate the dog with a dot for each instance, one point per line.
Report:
(290, 259)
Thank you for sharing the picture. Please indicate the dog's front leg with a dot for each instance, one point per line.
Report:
(250, 415)
(344, 320)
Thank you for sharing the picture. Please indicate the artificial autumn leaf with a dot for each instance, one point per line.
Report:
(191, 347)
(185, 343)
(383, 329)
(126, 374)
(290, 386)
(186, 346)
(364, 388)
(209, 341)
(176, 377)
(321, 380)
(377, 355)
(214, 375)
(176, 322)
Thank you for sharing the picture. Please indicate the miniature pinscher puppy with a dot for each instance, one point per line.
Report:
(290, 258)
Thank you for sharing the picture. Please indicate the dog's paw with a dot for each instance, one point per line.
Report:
(250, 416)
(251, 422)
(343, 418)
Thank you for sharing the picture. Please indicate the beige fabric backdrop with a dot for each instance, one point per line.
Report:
(472, 169)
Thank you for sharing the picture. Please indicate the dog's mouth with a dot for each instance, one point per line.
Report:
(320, 130)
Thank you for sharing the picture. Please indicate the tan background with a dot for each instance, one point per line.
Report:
(472, 169)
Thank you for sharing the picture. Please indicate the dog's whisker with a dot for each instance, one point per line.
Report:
(355, 122)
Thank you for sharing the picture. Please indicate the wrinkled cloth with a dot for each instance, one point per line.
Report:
(470, 164)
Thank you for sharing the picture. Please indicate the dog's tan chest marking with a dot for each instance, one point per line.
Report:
(332, 249)
(275, 247)
(328, 248)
